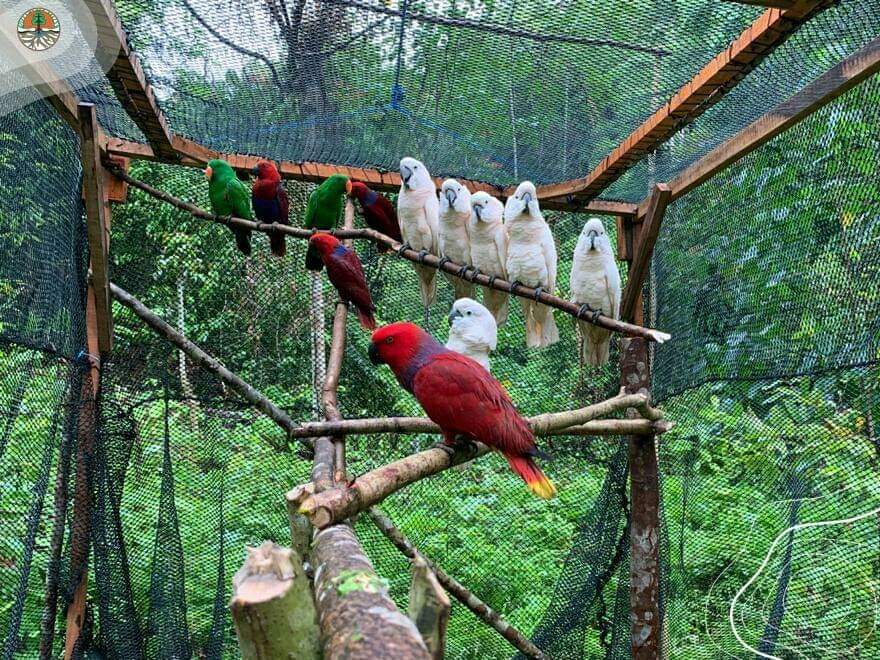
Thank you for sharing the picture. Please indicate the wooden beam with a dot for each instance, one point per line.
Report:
(644, 529)
(718, 77)
(824, 89)
(97, 222)
(644, 247)
(126, 76)
(194, 154)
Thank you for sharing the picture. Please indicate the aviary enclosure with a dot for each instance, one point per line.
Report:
(168, 404)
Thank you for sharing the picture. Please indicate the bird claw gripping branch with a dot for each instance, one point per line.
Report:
(403, 248)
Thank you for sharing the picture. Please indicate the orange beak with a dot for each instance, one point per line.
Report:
(348, 186)
(208, 173)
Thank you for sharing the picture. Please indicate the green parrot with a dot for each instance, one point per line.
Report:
(230, 197)
(323, 211)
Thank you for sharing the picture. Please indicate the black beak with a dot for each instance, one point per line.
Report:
(255, 170)
(454, 314)
(592, 234)
(373, 352)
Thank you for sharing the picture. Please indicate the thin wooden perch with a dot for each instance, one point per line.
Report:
(428, 607)
(338, 504)
(456, 270)
(197, 355)
(458, 590)
(272, 606)
(358, 618)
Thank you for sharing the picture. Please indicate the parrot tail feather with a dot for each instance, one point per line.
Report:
(536, 480)
(366, 319)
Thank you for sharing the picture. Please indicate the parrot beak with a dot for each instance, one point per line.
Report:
(373, 352)
(348, 187)
(255, 170)
(454, 314)
(450, 197)
(593, 234)
(478, 211)
(527, 198)
(406, 173)
(208, 173)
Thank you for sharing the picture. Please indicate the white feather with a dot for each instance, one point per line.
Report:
(488, 244)
(418, 214)
(595, 281)
(531, 260)
(473, 331)
(454, 242)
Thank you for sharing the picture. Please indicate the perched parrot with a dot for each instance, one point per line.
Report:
(453, 240)
(595, 281)
(270, 202)
(229, 197)
(323, 211)
(460, 396)
(531, 260)
(472, 331)
(489, 248)
(417, 211)
(379, 213)
(346, 274)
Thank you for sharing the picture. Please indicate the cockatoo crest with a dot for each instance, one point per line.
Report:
(485, 208)
(454, 195)
(524, 199)
(414, 175)
(594, 238)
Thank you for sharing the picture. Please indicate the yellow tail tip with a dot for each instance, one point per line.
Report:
(543, 488)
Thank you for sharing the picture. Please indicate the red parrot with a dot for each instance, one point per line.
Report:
(346, 274)
(379, 213)
(461, 397)
(269, 199)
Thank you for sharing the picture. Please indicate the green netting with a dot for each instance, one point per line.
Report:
(767, 276)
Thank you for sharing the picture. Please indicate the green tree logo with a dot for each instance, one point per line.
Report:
(38, 29)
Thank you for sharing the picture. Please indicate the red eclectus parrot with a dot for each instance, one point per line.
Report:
(323, 211)
(461, 397)
(346, 274)
(270, 202)
(229, 197)
(379, 212)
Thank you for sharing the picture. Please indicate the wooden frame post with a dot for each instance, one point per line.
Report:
(645, 512)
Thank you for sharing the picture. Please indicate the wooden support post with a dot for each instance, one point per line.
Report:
(645, 512)
(428, 607)
(97, 206)
(272, 606)
(642, 250)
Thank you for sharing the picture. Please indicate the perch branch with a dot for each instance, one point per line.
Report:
(337, 504)
(431, 260)
(453, 586)
(197, 355)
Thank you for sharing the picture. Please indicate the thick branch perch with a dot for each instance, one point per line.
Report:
(201, 358)
(430, 260)
(338, 504)
(272, 606)
(453, 586)
(358, 618)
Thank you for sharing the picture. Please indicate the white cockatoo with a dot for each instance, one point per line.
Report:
(417, 212)
(472, 330)
(489, 248)
(595, 281)
(455, 245)
(531, 261)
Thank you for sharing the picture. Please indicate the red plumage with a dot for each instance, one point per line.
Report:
(270, 202)
(379, 213)
(347, 275)
(461, 397)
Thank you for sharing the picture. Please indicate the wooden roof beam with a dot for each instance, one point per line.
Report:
(126, 76)
(779, 4)
(193, 154)
(824, 89)
(715, 80)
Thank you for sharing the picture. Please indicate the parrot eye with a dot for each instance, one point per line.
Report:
(389, 340)
(469, 312)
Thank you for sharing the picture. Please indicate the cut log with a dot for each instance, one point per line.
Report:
(428, 607)
(272, 606)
